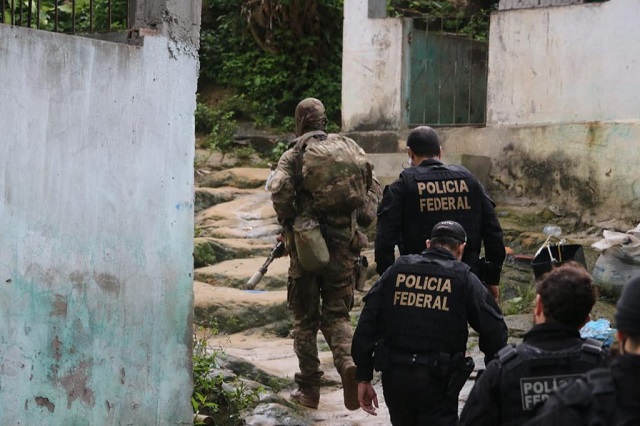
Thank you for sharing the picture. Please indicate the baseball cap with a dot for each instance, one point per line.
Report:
(451, 229)
(628, 308)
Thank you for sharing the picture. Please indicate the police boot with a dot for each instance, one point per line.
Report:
(349, 386)
(309, 396)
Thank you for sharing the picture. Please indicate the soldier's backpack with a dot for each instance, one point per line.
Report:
(334, 170)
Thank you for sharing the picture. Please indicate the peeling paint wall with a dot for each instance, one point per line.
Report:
(563, 120)
(587, 168)
(372, 69)
(97, 150)
(567, 64)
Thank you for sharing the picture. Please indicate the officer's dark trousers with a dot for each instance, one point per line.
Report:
(415, 396)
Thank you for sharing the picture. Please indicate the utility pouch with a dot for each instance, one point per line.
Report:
(311, 247)
(381, 356)
(459, 375)
(361, 272)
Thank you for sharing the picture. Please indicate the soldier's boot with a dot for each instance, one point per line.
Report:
(309, 396)
(349, 386)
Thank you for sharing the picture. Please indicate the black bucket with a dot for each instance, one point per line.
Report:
(562, 253)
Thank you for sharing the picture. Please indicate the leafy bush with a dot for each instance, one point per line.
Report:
(204, 119)
(212, 395)
(273, 82)
(221, 137)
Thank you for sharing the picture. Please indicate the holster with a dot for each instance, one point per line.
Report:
(461, 369)
(361, 272)
(381, 356)
(489, 272)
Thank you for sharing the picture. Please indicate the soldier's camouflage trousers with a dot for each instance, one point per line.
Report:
(322, 301)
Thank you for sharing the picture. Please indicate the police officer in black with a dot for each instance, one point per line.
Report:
(414, 329)
(552, 353)
(607, 396)
(430, 192)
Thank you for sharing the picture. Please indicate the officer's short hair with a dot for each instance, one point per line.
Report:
(424, 142)
(447, 242)
(567, 294)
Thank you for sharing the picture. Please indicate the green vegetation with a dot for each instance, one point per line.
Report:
(220, 397)
(61, 15)
(522, 303)
(273, 56)
(270, 55)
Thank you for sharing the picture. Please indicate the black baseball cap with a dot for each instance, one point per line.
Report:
(628, 308)
(451, 229)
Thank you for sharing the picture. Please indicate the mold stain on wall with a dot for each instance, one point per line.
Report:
(551, 178)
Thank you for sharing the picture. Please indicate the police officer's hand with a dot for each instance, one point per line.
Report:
(367, 397)
(495, 291)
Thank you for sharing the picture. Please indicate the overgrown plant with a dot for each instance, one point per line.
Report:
(218, 123)
(213, 395)
(67, 16)
(287, 65)
(522, 303)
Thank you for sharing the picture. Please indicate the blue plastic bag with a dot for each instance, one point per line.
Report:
(599, 329)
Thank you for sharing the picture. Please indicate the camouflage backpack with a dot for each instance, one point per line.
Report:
(334, 170)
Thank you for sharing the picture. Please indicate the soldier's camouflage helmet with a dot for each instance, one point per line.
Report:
(310, 115)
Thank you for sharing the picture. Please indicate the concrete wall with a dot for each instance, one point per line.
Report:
(521, 4)
(565, 64)
(586, 168)
(97, 150)
(372, 68)
(563, 107)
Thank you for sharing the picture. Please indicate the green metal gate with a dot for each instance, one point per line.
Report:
(448, 73)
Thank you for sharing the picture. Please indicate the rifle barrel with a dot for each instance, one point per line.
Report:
(254, 280)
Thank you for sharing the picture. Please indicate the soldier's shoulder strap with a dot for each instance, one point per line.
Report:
(299, 148)
(512, 356)
(507, 354)
(592, 351)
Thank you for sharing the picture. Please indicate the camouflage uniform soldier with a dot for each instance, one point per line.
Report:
(320, 300)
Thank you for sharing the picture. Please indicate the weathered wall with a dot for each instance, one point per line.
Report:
(521, 4)
(96, 215)
(587, 168)
(372, 68)
(574, 63)
(563, 109)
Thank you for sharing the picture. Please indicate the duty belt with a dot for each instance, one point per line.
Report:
(440, 360)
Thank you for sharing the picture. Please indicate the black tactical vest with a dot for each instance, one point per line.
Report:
(529, 374)
(592, 400)
(435, 193)
(424, 305)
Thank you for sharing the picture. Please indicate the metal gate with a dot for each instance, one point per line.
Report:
(448, 72)
(69, 16)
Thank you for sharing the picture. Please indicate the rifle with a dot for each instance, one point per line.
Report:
(276, 252)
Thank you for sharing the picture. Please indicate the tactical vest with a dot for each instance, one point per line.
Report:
(592, 400)
(435, 193)
(424, 305)
(529, 374)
